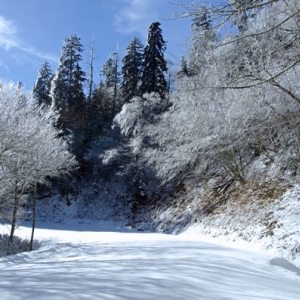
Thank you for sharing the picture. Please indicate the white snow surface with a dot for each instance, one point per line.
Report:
(103, 262)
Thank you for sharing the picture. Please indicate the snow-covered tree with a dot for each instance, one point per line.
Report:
(154, 64)
(204, 40)
(141, 111)
(58, 159)
(132, 69)
(133, 121)
(110, 70)
(243, 104)
(30, 149)
(242, 11)
(111, 83)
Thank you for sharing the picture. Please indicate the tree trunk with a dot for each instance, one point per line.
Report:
(14, 221)
(33, 216)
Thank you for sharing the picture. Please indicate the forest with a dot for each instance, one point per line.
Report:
(136, 143)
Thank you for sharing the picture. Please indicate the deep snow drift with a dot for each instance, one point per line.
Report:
(99, 262)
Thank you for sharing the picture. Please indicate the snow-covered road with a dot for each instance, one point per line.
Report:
(84, 263)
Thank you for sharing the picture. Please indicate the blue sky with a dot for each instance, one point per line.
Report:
(33, 31)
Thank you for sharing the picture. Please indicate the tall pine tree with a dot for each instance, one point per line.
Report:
(42, 87)
(111, 83)
(69, 98)
(67, 86)
(154, 65)
(132, 69)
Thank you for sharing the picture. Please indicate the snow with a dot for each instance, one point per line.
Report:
(104, 262)
(247, 226)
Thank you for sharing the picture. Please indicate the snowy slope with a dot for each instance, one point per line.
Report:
(77, 262)
(260, 215)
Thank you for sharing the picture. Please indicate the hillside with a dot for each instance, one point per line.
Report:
(261, 214)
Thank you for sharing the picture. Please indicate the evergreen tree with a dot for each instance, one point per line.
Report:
(42, 87)
(101, 103)
(184, 68)
(110, 70)
(67, 86)
(154, 65)
(111, 83)
(68, 96)
(132, 69)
